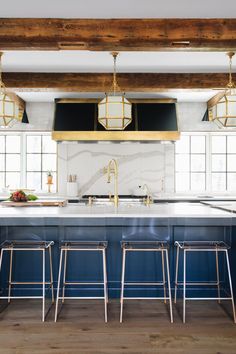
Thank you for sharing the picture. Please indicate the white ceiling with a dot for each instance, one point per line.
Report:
(119, 9)
(180, 96)
(87, 61)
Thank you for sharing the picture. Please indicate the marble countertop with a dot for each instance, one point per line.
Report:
(162, 210)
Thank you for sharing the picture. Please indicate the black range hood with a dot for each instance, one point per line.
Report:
(153, 120)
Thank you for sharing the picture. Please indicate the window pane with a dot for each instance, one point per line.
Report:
(33, 162)
(198, 144)
(182, 182)
(13, 179)
(2, 181)
(34, 143)
(13, 162)
(2, 144)
(231, 144)
(2, 162)
(231, 163)
(218, 163)
(49, 145)
(218, 144)
(182, 145)
(218, 182)
(182, 162)
(198, 182)
(197, 163)
(13, 143)
(49, 162)
(53, 186)
(231, 181)
(33, 180)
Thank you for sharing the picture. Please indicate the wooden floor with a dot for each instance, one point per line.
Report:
(146, 329)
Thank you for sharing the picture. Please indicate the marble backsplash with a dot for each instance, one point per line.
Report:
(152, 164)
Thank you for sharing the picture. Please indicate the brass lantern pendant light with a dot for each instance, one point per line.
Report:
(9, 112)
(223, 113)
(114, 111)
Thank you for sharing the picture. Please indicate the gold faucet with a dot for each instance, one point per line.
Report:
(148, 199)
(112, 168)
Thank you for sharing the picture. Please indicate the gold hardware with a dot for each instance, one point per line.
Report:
(114, 110)
(148, 199)
(91, 200)
(115, 135)
(112, 168)
(222, 110)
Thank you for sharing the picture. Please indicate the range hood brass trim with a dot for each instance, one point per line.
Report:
(132, 100)
(115, 135)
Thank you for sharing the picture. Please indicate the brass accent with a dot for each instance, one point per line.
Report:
(107, 106)
(222, 117)
(115, 135)
(6, 119)
(112, 168)
(148, 199)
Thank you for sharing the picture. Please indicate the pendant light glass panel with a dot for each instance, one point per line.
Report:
(8, 111)
(114, 112)
(223, 113)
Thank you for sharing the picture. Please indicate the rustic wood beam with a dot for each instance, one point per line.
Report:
(117, 34)
(101, 82)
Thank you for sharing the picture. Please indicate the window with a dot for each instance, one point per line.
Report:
(10, 161)
(25, 159)
(40, 158)
(190, 163)
(205, 162)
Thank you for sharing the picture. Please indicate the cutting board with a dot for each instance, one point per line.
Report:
(39, 202)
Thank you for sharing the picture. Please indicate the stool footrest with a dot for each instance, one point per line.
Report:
(147, 298)
(208, 298)
(203, 283)
(21, 297)
(81, 297)
(144, 283)
(81, 283)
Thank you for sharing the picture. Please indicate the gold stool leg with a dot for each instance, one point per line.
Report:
(169, 288)
(122, 285)
(51, 273)
(217, 275)
(64, 277)
(230, 285)
(163, 275)
(184, 288)
(43, 304)
(10, 276)
(176, 273)
(105, 282)
(58, 285)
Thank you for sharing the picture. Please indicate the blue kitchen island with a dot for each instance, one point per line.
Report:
(164, 221)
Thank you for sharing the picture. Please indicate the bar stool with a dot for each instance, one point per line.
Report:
(146, 246)
(202, 246)
(29, 246)
(81, 246)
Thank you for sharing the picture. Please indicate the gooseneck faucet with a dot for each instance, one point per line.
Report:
(112, 168)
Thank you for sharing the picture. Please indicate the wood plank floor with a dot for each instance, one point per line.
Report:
(146, 329)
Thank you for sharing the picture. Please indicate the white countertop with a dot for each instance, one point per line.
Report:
(162, 210)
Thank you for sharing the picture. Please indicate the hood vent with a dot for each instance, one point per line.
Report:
(153, 120)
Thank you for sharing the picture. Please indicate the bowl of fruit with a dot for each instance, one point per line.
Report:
(20, 196)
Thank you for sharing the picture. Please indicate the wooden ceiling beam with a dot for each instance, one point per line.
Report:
(118, 34)
(101, 82)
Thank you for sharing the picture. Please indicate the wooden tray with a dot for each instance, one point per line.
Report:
(38, 202)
